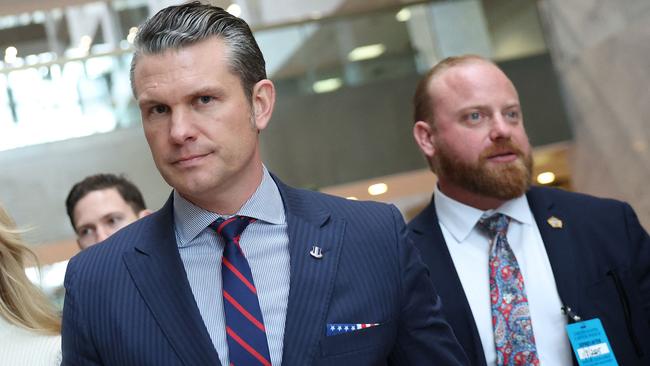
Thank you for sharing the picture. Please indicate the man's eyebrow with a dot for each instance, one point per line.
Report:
(473, 107)
(513, 105)
(144, 101)
(207, 90)
(110, 214)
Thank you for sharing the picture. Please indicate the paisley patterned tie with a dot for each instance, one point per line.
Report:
(513, 329)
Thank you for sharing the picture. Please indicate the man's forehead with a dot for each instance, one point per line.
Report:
(104, 196)
(215, 47)
(99, 203)
(460, 73)
(162, 70)
(469, 79)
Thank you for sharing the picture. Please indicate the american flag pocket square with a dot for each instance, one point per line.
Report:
(340, 328)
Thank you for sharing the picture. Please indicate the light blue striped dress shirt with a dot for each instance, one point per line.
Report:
(265, 244)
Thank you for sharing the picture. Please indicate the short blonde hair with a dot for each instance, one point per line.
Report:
(21, 302)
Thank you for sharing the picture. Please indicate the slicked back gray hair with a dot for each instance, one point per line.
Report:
(180, 26)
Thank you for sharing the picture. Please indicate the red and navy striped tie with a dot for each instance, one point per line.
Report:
(245, 330)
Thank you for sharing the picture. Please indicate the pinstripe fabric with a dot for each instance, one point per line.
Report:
(128, 303)
(266, 247)
(129, 300)
(368, 273)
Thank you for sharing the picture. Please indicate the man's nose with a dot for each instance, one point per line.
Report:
(500, 128)
(181, 129)
(103, 234)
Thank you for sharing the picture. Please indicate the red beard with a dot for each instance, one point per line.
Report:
(503, 181)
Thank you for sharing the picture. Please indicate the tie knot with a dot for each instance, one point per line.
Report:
(494, 224)
(231, 228)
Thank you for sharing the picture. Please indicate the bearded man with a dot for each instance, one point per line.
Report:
(515, 264)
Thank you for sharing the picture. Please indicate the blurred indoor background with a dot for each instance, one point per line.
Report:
(345, 71)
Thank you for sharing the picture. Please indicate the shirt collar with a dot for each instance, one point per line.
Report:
(265, 205)
(517, 209)
(459, 219)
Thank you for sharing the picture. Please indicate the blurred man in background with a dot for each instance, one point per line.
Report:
(100, 205)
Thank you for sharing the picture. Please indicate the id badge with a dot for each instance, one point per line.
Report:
(590, 343)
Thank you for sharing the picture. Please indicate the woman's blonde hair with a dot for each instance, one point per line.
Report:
(21, 302)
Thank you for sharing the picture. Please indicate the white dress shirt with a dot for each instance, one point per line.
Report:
(470, 249)
(265, 244)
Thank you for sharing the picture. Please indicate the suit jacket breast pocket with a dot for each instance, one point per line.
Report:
(369, 346)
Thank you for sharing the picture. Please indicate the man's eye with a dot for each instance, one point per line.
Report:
(159, 109)
(114, 220)
(205, 99)
(84, 232)
(474, 117)
(512, 114)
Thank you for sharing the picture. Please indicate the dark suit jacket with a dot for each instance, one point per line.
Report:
(600, 260)
(128, 300)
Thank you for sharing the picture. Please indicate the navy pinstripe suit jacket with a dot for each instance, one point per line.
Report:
(128, 301)
(600, 260)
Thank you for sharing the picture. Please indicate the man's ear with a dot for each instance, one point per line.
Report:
(263, 102)
(424, 137)
(144, 213)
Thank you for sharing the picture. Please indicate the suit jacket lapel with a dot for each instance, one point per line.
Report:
(312, 279)
(558, 246)
(157, 270)
(428, 236)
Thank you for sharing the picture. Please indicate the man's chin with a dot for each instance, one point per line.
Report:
(507, 181)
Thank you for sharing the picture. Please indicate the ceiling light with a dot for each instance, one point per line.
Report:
(133, 31)
(46, 57)
(546, 178)
(234, 9)
(38, 17)
(327, 85)
(403, 15)
(377, 189)
(10, 54)
(32, 59)
(85, 42)
(24, 19)
(11, 50)
(366, 52)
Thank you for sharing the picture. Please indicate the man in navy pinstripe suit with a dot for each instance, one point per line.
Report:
(336, 280)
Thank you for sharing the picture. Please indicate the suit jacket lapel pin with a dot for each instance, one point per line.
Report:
(555, 222)
(316, 252)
